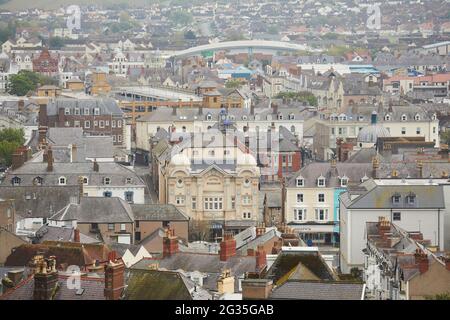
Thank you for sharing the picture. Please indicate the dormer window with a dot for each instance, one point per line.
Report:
(16, 181)
(411, 199)
(107, 180)
(300, 182)
(344, 181)
(404, 117)
(62, 181)
(208, 116)
(321, 182)
(280, 116)
(86, 111)
(387, 118)
(129, 180)
(291, 116)
(433, 117)
(66, 111)
(396, 198)
(38, 181)
(417, 117)
(96, 111)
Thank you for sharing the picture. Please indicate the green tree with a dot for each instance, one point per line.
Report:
(56, 43)
(189, 35)
(302, 96)
(180, 18)
(445, 137)
(10, 140)
(232, 84)
(25, 81)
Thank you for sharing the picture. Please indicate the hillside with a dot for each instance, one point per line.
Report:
(15, 5)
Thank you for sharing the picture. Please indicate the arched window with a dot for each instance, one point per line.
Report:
(62, 181)
(38, 181)
(16, 181)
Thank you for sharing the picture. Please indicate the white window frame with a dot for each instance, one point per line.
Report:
(299, 213)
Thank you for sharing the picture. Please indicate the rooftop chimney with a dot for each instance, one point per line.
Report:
(49, 159)
(114, 277)
(421, 260)
(42, 134)
(227, 247)
(96, 168)
(73, 153)
(80, 188)
(260, 229)
(420, 168)
(45, 278)
(256, 289)
(225, 284)
(18, 159)
(261, 259)
(76, 235)
(375, 166)
(170, 243)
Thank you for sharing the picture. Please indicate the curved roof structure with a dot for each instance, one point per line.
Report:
(243, 44)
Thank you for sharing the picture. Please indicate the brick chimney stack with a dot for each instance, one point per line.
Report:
(227, 247)
(42, 134)
(76, 235)
(260, 229)
(73, 153)
(256, 289)
(261, 259)
(375, 166)
(18, 158)
(170, 243)
(421, 260)
(420, 168)
(49, 159)
(114, 277)
(45, 278)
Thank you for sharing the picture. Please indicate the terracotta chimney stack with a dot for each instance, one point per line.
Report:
(421, 260)
(76, 235)
(114, 278)
(227, 247)
(170, 243)
(261, 259)
(49, 159)
(260, 229)
(45, 278)
(73, 153)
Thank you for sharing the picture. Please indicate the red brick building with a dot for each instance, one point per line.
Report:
(46, 64)
(96, 116)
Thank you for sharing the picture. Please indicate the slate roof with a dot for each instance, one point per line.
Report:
(156, 285)
(93, 290)
(380, 197)
(157, 212)
(311, 172)
(96, 210)
(72, 171)
(106, 105)
(69, 253)
(317, 290)
(38, 201)
(287, 261)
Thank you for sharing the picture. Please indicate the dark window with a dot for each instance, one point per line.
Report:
(129, 196)
(107, 194)
(94, 226)
(166, 224)
(396, 216)
(137, 236)
(137, 224)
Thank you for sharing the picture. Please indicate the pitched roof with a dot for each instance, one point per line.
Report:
(65, 252)
(158, 212)
(312, 290)
(380, 197)
(96, 210)
(156, 285)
